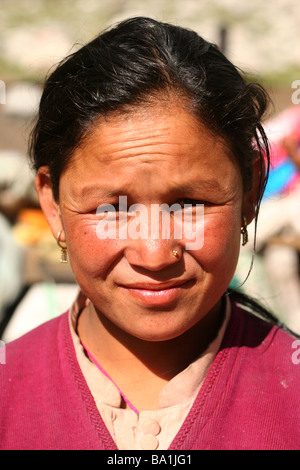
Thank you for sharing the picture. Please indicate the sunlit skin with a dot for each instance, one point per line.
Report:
(152, 313)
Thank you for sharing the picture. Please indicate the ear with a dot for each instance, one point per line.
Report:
(250, 198)
(48, 204)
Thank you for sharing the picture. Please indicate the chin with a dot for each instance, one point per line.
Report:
(157, 334)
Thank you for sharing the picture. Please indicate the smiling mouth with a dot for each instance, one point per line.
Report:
(157, 293)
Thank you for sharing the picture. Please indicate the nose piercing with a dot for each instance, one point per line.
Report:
(175, 253)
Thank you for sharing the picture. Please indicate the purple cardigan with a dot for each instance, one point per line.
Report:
(250, 398)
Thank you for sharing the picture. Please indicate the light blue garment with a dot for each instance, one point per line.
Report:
(280, 177)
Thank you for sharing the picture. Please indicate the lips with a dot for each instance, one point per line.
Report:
(156, 293)
(155, 286)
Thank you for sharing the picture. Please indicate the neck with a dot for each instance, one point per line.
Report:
(141, 368)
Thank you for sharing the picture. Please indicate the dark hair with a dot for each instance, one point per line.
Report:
(128, 65)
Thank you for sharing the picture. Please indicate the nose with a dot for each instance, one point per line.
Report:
(153, 255)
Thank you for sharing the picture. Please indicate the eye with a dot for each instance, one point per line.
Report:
(106, 208)
(190, 202)
(117, 207)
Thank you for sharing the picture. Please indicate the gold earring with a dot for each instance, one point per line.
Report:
(63, 249)
(175, 253)
(244, 232)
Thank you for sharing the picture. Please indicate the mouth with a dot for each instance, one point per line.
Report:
(156, 293)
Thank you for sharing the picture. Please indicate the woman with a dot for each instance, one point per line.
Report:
(153, 354)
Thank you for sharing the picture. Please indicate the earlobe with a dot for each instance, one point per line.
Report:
(50, 207)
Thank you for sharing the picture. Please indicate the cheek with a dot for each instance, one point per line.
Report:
(88, 254)
(221, 246)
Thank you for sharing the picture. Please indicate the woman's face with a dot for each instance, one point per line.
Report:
(159, 155)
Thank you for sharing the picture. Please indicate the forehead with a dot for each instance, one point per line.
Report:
(165, 144)
(148, 131)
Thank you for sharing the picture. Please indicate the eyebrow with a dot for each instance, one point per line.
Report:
(94, 189)
(210, 185)
(192, 187)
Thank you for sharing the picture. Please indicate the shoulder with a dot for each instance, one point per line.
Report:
(36, 335)
(269, 349)
(29, 353)
(252, 326)
(32, 375)
(45, 402)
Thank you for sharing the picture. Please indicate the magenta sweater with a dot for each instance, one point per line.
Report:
(249, 400)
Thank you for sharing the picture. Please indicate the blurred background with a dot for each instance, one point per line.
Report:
(262, 38)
